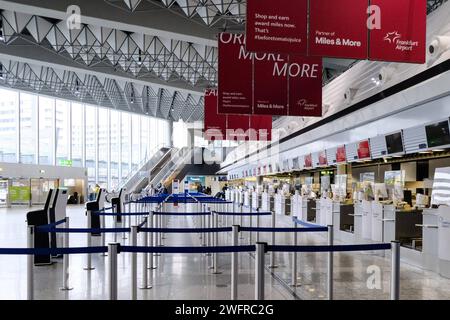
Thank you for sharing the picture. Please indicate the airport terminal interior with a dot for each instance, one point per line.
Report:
(225, 150)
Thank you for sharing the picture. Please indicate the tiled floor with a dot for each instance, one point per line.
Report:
(187, 276)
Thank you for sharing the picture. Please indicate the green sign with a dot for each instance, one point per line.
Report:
(19, 194)
(65, 163)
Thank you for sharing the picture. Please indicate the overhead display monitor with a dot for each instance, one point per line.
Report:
(341, 155)
(295, 163)
(394, 143)
(438, 134)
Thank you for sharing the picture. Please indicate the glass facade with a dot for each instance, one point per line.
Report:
(111, 144)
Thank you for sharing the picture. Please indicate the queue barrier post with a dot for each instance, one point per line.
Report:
(145, 284)
(257, 224)
(250, 234)
(151, 255)
(272, 254)
(209, 235)
(234, 263)
(395, 270)
(294, 260)
(113, 249)
(30, 264)
(330, 264)
(241, 223)
(216, 243)
(66, 259)
(134, 231)
(259, 270)
(89, 243)
(103, 235)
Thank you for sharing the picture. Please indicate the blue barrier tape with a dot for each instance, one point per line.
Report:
(306, 224)
(243, 213)
(51, 251)
(185, 230)
(181, 213)
(51, 225)
(265, 229)
(109, 208)
(123, 214)
(339, 248)
(226, 249)
(88, 230)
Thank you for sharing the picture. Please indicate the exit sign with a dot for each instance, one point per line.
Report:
(65, 163)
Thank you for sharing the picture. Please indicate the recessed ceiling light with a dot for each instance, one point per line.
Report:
(438, 150)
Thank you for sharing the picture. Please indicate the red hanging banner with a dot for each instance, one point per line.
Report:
(308, 161)
(277, 26)
(235, 75)
(305, 86)
(400, 33)
(323, 161)
(270, 92)
(238, 127)
(338, 28)
(261, 128)
(214, 124)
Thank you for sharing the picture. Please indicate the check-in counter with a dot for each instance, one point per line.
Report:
(246, 195)
(255, 200)
(430, 243)
(366, 230)
(377, 221)
(347, 218)
(403, 226)
(358, 215)
(444, 241)
(265, 201)
(299, 207)
(279, 204)
(311, 210)
(325, 213)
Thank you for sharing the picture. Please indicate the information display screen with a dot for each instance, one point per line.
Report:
(394, 143)
(438, 134)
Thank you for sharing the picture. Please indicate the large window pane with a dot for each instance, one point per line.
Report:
(77, 134)
(46, 134)
(103, 146)
(153, 134)
(126, 141)
(115, 148)
(28, 129)
(136, 138)
(91, 127)
(62, 131)
(9, 106)
(145, 139)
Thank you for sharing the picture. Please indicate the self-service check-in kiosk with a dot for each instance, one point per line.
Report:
(54, 210)
(94, 206)
(117, 203)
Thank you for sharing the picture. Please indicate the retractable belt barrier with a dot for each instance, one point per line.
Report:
(220, 249)
(335, 248)
(51, 251)
(243, 213)
(43, 228)
(85, 230)
(306, 224)
(100, 213)
(267, 229)
(185, 230)
(157, 213)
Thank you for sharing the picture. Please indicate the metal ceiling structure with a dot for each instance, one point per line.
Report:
(147, 56)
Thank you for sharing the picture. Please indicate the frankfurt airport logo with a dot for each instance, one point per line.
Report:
(305, 105)
(392, 37)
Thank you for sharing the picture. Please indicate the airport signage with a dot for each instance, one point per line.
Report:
(341, 155)
(308, 161)
(233, 127)
(401, 34)
(280, 84)
(338, 28)
(277, 28)
(378, 30)
(215, 125)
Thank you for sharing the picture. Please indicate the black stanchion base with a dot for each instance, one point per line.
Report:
(146, 288)
(65, 289)
(152, 268)
(273, 267)
(218, 272)
(89, 269)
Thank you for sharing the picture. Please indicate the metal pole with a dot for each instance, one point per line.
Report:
(134, 231)
(242, 220)
(272, 254)
(250, 234)
(208, 234)
(113, 249)
(330, 265)
(259, 271)
(234, 264)
(89, 242)
(66, 261)
(145, 284)
(395, 270)
(257, 224)
(151, 255)
(216, 244)
(30, 264)
(103, 235)
(294, 261)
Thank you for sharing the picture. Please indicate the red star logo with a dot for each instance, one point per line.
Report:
(392, 36)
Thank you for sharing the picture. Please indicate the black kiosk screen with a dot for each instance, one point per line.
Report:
(394, 143)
